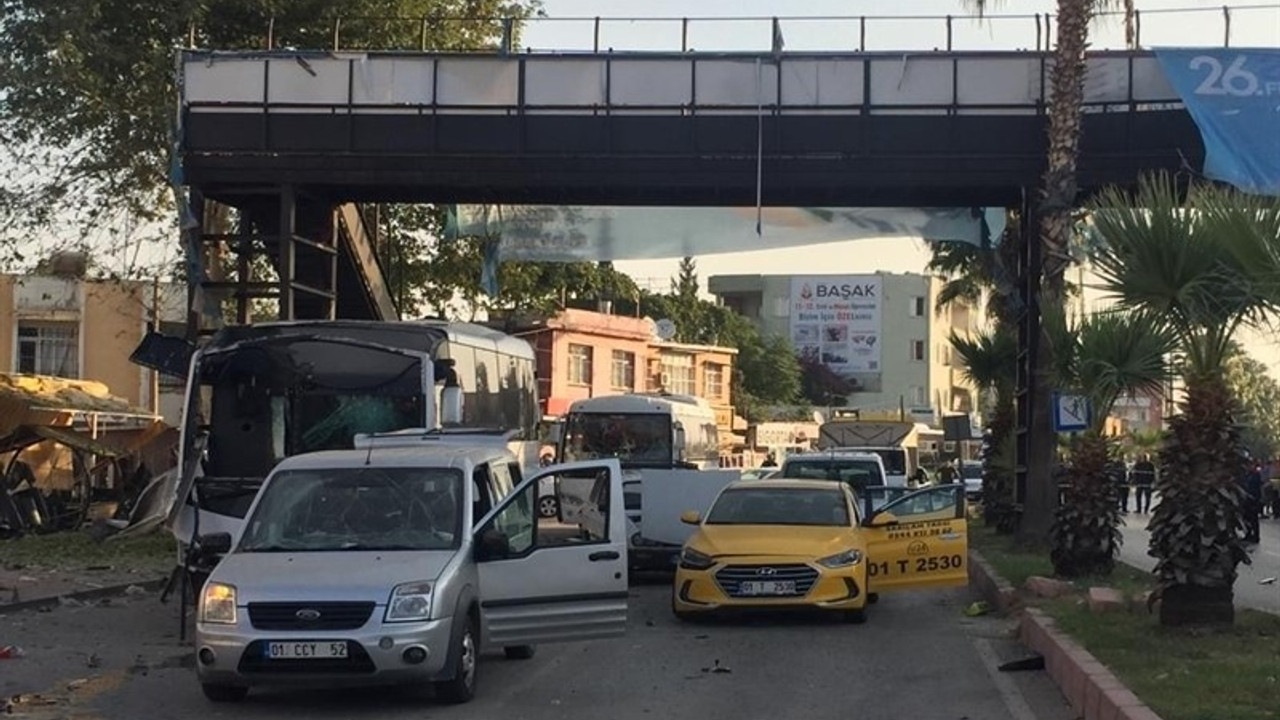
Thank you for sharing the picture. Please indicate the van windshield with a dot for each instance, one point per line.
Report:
(357, 508)
(636, 439)
(858, 474)
(895, 460)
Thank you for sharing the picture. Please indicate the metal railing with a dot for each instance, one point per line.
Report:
(721, 34)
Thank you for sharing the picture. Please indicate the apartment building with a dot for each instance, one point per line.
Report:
(85, 330)
(879, 330)
(583, 354)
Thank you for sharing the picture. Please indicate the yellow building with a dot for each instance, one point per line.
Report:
(86, 329)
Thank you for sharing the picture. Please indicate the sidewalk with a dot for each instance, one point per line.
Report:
(38, 570)
(30, 587)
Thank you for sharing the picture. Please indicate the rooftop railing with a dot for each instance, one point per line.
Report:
(861, 33)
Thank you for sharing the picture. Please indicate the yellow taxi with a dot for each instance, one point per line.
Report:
(792, 544)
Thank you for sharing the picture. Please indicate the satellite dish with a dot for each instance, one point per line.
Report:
(665, 329)
(818, 418)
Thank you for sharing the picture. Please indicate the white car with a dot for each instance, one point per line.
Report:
(400, 565)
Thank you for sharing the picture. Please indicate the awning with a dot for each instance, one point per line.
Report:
(24, 436)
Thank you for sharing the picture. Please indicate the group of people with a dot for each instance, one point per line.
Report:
(1137, 481)
(1261, 497)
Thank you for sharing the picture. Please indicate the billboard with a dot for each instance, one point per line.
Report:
(838, 317)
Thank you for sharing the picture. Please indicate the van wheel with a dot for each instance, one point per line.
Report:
(548, 506)
(224, 693)
(465, 658)
(519, 652)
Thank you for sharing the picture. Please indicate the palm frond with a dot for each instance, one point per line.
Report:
(1122, 354)
(1159, 252)
(989, 359)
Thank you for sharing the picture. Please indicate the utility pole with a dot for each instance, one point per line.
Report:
(155, 327)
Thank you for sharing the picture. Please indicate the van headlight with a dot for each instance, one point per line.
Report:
(409, 602)
(842, 559)
(218, 604)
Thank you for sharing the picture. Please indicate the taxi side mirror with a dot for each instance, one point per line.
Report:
(690, 517)
(883, 519)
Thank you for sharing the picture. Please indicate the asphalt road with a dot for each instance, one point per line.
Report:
(918, 657)
(1266, 562)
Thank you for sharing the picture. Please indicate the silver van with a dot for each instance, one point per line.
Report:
(400, 565)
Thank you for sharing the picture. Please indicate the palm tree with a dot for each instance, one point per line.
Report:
(1208, 265)
(989, 361)
(1104, 357)
(1055, 212)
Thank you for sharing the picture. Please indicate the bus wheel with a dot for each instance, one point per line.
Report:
(548, 506)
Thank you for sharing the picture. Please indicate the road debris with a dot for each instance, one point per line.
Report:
(716, 668)
(11, 652)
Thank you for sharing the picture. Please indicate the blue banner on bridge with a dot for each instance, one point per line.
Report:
(1234, 97)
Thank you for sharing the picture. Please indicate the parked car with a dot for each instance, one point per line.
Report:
(796, 544)
(399, 565)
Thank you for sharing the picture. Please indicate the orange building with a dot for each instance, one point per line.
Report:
(583, 354)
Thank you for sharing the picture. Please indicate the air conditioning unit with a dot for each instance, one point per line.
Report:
(664, 379)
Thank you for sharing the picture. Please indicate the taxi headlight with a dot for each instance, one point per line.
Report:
(842, 559)
(409, 602)
(691, 559)
(218, 604)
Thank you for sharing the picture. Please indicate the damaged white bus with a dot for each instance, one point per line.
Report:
(257, 394)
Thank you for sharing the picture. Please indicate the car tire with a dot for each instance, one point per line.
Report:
(464, 661)
(548, 506)
(855, 617)
(224, 693)
(519, 652)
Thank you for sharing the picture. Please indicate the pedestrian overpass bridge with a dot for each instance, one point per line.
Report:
(685, 128)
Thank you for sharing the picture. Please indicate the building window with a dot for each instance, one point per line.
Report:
(677, 374)
(580, 364)
(49, 349)
(623, 376)
(917, 350)
(917, 306)
(919, 397)
(714, 381)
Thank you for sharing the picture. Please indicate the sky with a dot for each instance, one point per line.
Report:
(1255, 23)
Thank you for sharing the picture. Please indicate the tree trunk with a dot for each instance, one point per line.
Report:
(1197, 529)
(1057, 218)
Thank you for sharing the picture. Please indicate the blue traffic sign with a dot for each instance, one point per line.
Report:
(1071, 413)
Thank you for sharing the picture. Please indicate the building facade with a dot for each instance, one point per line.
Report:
(583, 354)
(879, 330)
(86, 330)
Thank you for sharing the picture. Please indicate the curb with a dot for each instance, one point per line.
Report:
(1093, 690)
(83, 596)
(994, 588)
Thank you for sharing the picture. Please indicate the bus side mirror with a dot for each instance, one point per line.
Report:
(678, 442)
(451, 405)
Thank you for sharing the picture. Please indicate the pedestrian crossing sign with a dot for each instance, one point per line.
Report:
(1071, 413)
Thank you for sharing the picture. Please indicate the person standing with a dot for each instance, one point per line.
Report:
(1252, 504)
(1118, 474)
(1144, 477)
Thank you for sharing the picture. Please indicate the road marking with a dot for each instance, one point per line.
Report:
(1013, 700)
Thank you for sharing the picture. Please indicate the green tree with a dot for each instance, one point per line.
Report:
(1055, 213)
(1207, 261)
(766, 371)
(821, 385)
(1257, 396)
(87, 90)
(1103, 357)
(990, 361)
